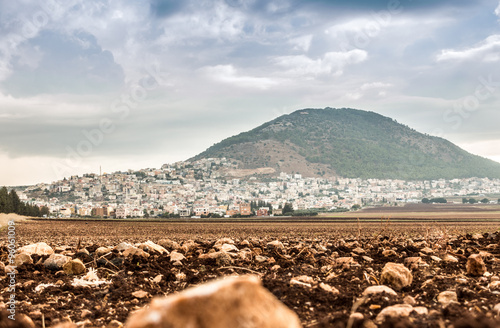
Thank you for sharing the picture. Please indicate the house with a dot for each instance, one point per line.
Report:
(121, 213)
(263, 211)
(245, 209)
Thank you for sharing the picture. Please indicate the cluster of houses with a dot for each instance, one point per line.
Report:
(204, 188)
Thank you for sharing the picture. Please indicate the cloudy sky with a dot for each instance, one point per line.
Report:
(136, 84)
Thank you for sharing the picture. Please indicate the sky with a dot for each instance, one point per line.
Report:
(114, 85)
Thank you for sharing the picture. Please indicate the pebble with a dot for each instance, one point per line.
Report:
(229, 248)
(114, 324)
(73, 267)
(175, 256)
(447, 297)
(152, 246)
(396, 275)
(169, 244)
(22, 258)
(218, 304)
(475, 265)
(329, 288)
(260, 258)
(450, 258)
(140, 294)
(409, 300)
(123, 246)
(134, 251)
(379, 290)
(37, 249)
(56, 261)
(103, 250)
(394, 311)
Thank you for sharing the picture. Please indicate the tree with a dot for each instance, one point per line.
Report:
(288, 209)
(426, 201)
(472, 201)
(485, 200)
(4, 200)
(464, 200)
(15, 202)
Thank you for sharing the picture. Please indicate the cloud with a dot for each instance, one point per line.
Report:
(331, 64)
(228, 74)
(497, 10)
(486, 51)
(58, 63)
(302, 43)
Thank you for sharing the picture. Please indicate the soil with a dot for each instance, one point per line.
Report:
(310, 249)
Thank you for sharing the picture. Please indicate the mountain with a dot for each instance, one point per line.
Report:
(349, 143)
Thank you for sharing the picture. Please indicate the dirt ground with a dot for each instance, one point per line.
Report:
(310, 249)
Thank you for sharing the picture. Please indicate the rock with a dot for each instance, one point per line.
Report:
(22, 258)
(345, 262)
(123, 246)
(435, 258)
(220, 242)
(359, 251)
(37, 249)
(233, 302)
(395, 311)
(169, 244)
(55, 262)
(356, 316)
(85, 313)
(73, 267)
(229, 248)
(414, 263)
(396, 275)
(496, 309)
(329, 288)
(389, 252)
(245, 243)
(188, 246)
(153, 247)
(367, 258)
(447, 297)
(495, 285)
(2, 268)
(114, 324)
(134, 251)
(450, 258)
(475, 265)
(260, 258)
(65, 324)
(223, 259)
(409, 300)
(140, 294)
(275, 245)
(421, 310)
(379, 290)
(427, 250)
(158, 279)
(103, 250)
(175, 256)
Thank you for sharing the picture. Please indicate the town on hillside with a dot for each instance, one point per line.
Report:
(204, 189)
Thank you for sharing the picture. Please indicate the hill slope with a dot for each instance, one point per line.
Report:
(349, 143)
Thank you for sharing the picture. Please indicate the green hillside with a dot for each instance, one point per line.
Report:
(350, 143)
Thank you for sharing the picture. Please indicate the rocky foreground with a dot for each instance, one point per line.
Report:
(444, 281)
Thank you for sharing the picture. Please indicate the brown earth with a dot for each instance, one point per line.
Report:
(310, 249)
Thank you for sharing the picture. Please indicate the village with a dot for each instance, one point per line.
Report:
(205, 188)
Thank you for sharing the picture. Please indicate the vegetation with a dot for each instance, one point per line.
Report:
(10, 203)
(356, 144)
(439, 200)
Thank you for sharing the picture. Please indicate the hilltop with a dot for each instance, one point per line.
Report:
(349, 143)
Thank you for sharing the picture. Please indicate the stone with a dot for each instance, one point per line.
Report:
(435, 258)
(409, 300)
(37, 249)
(496, 309)
(85, 313)
(367, 258)
(421, 310)
(175, 256)
(169, 244)
(427, 250)
(494, 284)
(123, 246)
(414, 263)
(275, 245)
(329, 288)
(389, 252)
(396, 275)
(260, 258)
(229, 248)
(232, 302)
(114, 324)
(188, 246)
(158, 279)
(73, 267)
(153, 247)
(345, 262)
(449, 258)
(103, 250)
(2, 268)
(475, 265)
(359, 251)
(22, 258)
(140, 294)
(134, 251)
(55, 262)
(394, 311)
(447, 297)
(357, 316)
(379, 290)
(223, 259)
